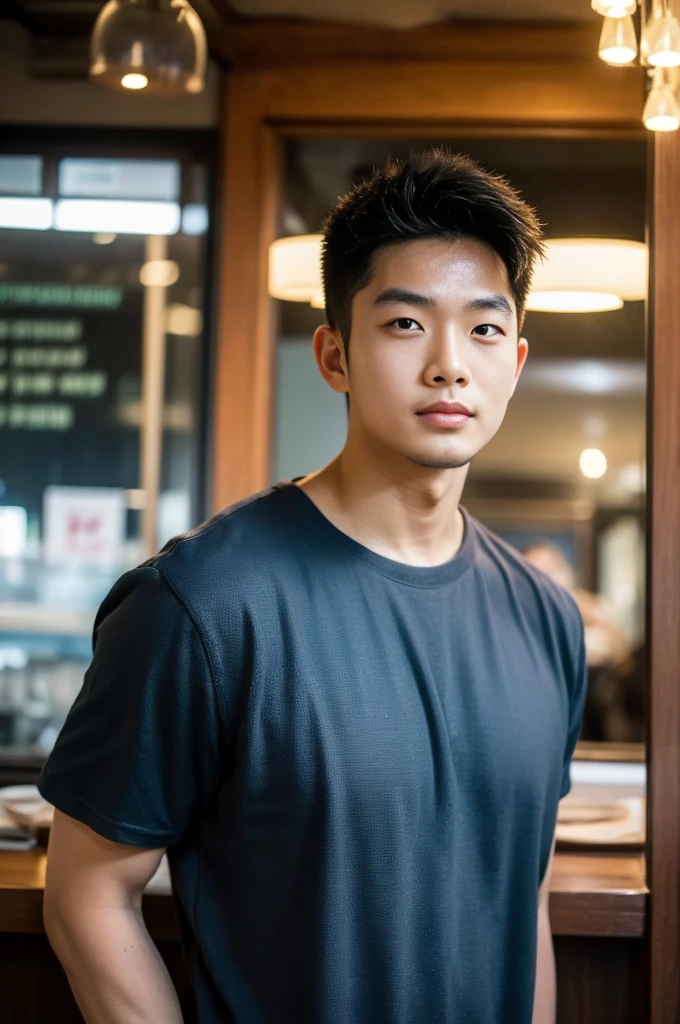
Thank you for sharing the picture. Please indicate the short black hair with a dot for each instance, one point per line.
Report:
(432, 194)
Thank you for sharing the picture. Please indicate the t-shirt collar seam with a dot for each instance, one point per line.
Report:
(319, 528)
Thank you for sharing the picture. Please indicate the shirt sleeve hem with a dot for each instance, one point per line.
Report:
(117, 832)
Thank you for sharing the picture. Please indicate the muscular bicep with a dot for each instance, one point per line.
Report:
(85, 870)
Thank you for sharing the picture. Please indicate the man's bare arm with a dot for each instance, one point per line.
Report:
(545, 993)
(93, 919)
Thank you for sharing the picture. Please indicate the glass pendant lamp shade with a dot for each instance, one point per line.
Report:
(155, 46)
(662, 41)
(661, 113)
(618, 42)
(614, 8)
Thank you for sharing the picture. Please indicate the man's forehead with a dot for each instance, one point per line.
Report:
(431, 258)
(439, 270)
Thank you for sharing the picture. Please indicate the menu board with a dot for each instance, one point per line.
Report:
(70, 358)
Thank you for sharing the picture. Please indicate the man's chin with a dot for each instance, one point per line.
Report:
(452, 461)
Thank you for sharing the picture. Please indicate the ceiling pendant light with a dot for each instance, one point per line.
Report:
(614, 8)
(662, 111)
(658, 51)
(155, 46)
(662, 41)
(618, 42)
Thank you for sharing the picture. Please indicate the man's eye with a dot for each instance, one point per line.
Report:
(405, 323)
(487, 331)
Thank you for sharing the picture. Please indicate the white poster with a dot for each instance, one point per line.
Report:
(84, 525)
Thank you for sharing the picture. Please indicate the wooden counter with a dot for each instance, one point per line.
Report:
(593, 894)
(598, 905)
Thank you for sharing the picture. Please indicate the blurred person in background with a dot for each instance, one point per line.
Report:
(614, 701)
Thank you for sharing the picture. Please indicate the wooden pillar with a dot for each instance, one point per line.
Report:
(663, 577)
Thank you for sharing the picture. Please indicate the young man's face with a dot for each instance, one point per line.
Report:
(436, 327)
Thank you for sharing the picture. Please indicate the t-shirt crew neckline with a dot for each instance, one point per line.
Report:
(411, 575)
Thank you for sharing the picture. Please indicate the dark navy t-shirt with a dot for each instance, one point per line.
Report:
(355, 764)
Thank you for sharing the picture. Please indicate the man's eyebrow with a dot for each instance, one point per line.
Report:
(402, 295)
(493, 302)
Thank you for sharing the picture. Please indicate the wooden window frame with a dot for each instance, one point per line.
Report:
(550, 85)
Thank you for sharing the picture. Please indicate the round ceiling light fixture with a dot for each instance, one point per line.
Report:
(573, 302)
(153, 46)
(589, 275)
(295, 268)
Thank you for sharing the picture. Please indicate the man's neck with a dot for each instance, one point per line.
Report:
(406, 512)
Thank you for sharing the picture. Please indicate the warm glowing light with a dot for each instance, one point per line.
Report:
(156, 45)
(662, 42)
(593, 463)
(103, 238)
(318, 300)
(573, 302)
(661, 113)
(589, 275)
(614, 8)
(618, 42)
(186, 321)
(662, 123)
(122, 216)
(159, 273)
(33, 214)
(134, 81)
(295, 268)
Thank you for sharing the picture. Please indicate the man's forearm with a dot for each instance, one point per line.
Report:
(545, 994)
(114, 969)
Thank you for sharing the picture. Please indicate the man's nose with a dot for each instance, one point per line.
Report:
(447, 360)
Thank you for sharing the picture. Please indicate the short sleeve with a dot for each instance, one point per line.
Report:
(577, 696)
(138, 757)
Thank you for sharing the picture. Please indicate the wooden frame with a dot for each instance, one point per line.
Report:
(548, 83)
(663, 584)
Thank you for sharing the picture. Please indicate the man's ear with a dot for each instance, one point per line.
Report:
(329, 352)
(522, 353)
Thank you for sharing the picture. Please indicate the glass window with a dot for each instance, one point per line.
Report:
(102, 351)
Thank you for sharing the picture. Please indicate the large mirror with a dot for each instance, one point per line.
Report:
(563, 480)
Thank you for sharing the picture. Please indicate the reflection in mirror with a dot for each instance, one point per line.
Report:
(563, 480)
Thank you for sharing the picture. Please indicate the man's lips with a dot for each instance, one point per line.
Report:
(446, 414)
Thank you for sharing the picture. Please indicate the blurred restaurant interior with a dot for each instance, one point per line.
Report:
(149, 376)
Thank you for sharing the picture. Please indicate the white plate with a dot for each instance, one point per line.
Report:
(22, 793)
(626, 831)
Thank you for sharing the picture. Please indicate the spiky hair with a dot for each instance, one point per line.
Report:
(432, 194)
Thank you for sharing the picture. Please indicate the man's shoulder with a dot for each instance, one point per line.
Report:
(531, 584)
(238, 541)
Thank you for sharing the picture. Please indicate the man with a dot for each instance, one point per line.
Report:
(345, 708)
